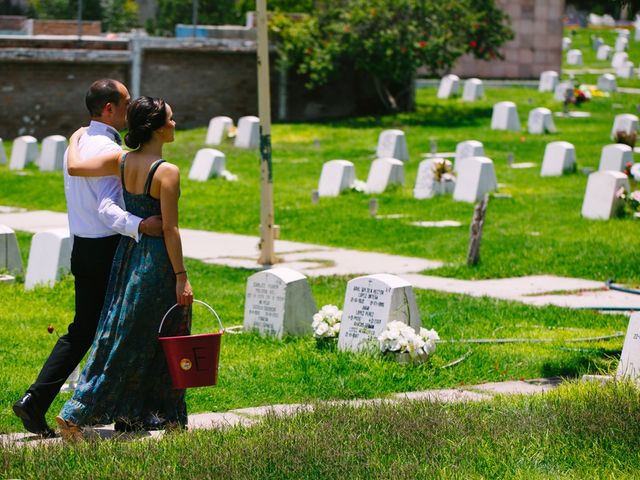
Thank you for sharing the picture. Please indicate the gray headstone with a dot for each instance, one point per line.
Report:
(626, 122)
(619, 58)
(49, 258)
(52, 155)
(10, 259)
(548, 81)
(427, 186)
(473, 90)
(600, 201)
(384, 172)
(621, 44)
(370, 303)
(467, 149)
(626, 70)
(562, 90)
(248, 132)
(604, 52)
(3, 155)
(629, 366)
(566, 43)
(559, 158)
(476, 177)
(279, 302)
(574, 57)
(208, 163)
(448, 86)
(392, 144)
(336, 177)
(596, 42)
(505, 117)
(540, 121)
(24, 152)
(218, 130)
(607, 83)
(615, 157)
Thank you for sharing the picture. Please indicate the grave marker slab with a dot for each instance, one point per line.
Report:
(559, 158)
(392, 144)
(384, 172)
(615, 157)
(475, 178)
(505, 117)
(370, 303)
(248, 132)
(604, 52)
(629, 366)
(596, 42)
(566, 43)
(218, 130)
(278, 302)
(563, 89)
(600, 201)
(427, 186)
(607, 83)
(626, 122)
(473, 90)
(540, 121)
(574, 57)
(10, 259)
(52, 155)
(466, 149)
(619, 59)
(208, 163)
(49, 258)
(3, 155)
(336, 177)
(24, 152)
(621, 44)
(548, 81)
(625, 70)
(448, 86)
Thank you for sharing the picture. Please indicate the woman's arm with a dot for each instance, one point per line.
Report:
(98, 166)
(169, 177)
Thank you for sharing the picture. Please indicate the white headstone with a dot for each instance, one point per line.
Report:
(563, 89)
(623, 33)
(49, 257)
(370, 303)
(336, 176)
(278, 302)
(384, 172)
(600, 201)
(566, 43)
(208, 163)
(548, 81)
(10, 259)
(629, 366)
(473, 90)
(621, 44)
(24, 152)
(615, 157)
(427, 186)
(626, 122)
(3, 155)
(52, 155)
(574, 57)
(636, 36)
(248, 132)
(476, 177)
(540, 121)
(392, 144)
(625, 70)
(607, 83)
(218, 130)
(619, 59)
(448, 86)
(467, 149)
(559, 158)
(604, 52)
(505, 117)
(596, 42)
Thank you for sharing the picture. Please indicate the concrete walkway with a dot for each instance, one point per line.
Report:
(241, 251)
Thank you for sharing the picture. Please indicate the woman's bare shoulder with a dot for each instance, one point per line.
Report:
(168, 171)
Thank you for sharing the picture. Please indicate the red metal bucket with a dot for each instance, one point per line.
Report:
(192, 359)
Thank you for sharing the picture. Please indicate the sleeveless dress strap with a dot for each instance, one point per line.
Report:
(122, 170)
(152, 171)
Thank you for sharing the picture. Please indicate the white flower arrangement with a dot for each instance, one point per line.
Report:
(399, 337)
(326, 323)
(359, 186)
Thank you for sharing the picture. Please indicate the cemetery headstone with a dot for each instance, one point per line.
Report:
(621, 44)
(466, 149)
(473, 90)
(629, 366)
(619, 59)
(248, 132)
(563, 90)
(49, 258)
(625, 122)
(574, 57)
(607, 83)
(278, 302)
(505, 117)
(559, 158)
(475, 178)
(208, 163)
(596, 42)
(624, 33)
(392, 144)
(24, 152)
(604, 52)
(371, 302)
(3, 155)
(52, 155)
(600, 200)
(449, 85)
(566, 43)
(625, 70)
(336, 176)
(427, 185)
(540, 121)
(218, 130)
(383, 173)
(10, 259)
(548, 81)
(615, 157)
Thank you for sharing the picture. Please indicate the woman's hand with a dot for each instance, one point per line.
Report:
(184, 294)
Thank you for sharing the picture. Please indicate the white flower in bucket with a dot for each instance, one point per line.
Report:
(400, 338)
(326, 323)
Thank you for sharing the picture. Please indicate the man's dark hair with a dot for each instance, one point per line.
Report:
(100, 93)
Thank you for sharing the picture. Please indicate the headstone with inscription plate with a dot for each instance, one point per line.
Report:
(559, 158)
(218, 130)
(52, 155)
(248, 132)
(336, 176)
(601, 201)
(208, 163)
(383, 173)
(574, 57)
(448, 86)
(392, 144)
(49, 258)
(505, 117)
(23, 152)
(607, 82)
(604, 51)
(615, 157)
(629, 366)
(619, 58)
(548, 81)
(473, 90)
(625, 122)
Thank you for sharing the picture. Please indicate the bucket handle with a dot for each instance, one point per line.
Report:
(195, 301)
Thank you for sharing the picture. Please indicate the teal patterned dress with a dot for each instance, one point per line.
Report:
(125, 377)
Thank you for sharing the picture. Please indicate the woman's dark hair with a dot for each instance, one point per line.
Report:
(144, 115)
(100, 93)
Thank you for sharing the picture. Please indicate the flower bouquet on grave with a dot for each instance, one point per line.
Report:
(326, 326)
(444, 179)
(400, 342)
(631, 202)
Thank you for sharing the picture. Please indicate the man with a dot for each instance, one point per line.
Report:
(96, 221)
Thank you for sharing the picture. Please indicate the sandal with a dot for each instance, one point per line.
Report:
(70, 432)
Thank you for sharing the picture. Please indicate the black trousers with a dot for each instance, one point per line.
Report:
(91, 260)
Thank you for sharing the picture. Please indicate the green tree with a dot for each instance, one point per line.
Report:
(120, 15)
(64, 9)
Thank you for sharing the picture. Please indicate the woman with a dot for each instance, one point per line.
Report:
(125, 378)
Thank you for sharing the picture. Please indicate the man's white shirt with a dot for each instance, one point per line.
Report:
(95, 205)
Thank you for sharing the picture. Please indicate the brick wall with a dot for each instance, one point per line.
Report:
(65, 27)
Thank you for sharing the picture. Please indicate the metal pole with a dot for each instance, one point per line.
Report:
(79, 19)
(194, 18)
(267, 254)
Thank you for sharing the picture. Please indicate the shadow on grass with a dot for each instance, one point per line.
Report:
(573, 367)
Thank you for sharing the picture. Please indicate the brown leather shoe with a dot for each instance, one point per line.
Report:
(69, 431)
